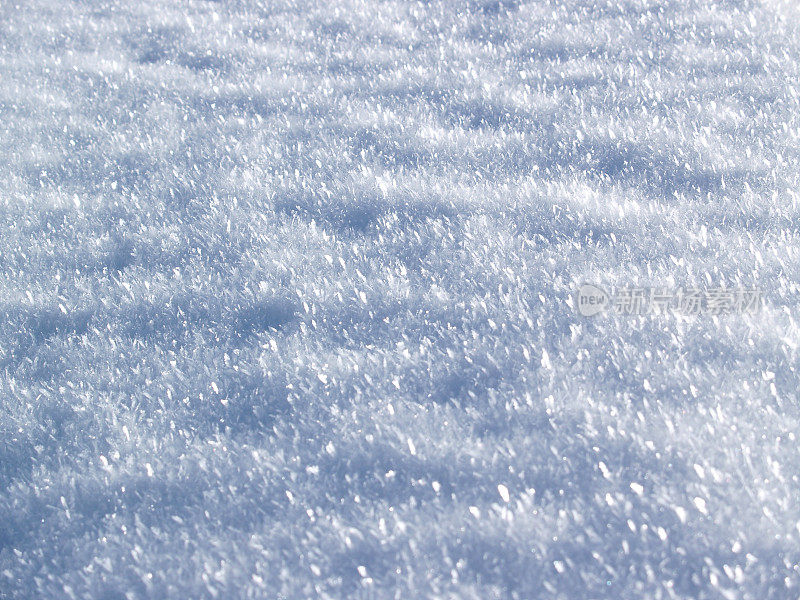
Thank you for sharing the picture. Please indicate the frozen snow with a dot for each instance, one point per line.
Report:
(286, 299)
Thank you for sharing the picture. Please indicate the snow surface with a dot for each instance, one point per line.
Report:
(286, 299)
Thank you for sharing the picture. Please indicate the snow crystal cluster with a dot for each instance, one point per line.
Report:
(287, 299)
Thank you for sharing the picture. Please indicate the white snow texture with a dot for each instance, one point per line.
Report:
(286, 299)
